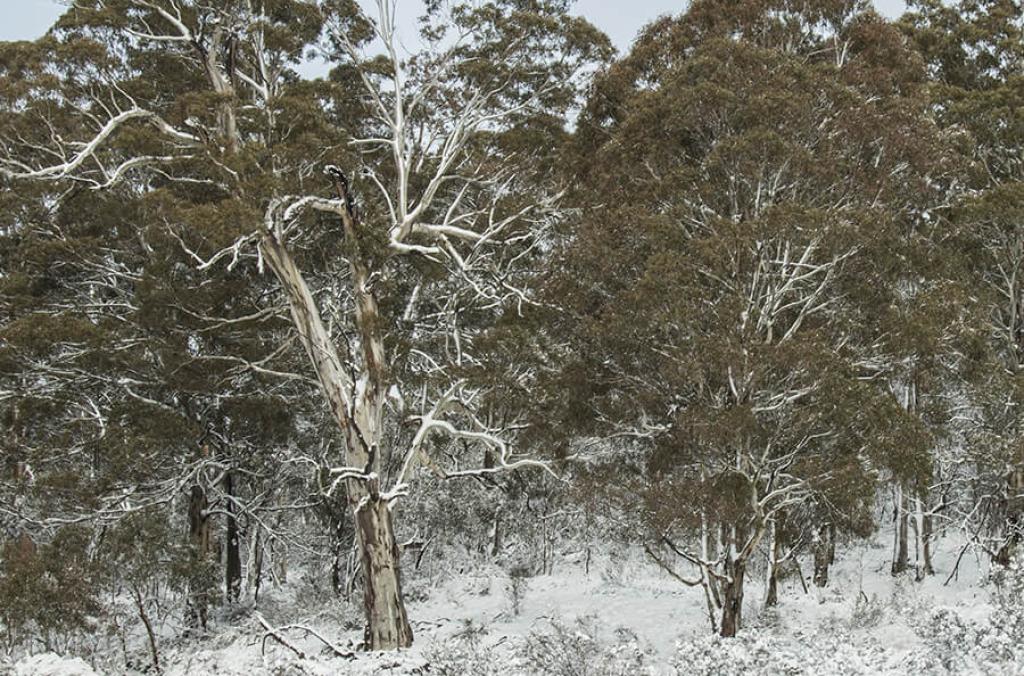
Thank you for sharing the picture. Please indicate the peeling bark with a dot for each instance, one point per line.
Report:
(387, 624)
(358, 415)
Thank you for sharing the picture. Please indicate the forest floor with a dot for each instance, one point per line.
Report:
(622, 615)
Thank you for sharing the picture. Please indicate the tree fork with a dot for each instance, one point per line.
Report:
(359, 419)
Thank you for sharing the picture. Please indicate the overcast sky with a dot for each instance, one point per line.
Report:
(620, 19)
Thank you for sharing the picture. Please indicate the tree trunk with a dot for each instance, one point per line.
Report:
(496, 544)
(771, 597)
(233, 556)
(900, 560)
(140, 605)
(256, 566)
(387, 625)
(199, 542)
(338, 566)
(1013, 509)
(732, 599)
(923, 533)
(358, 412)
(927, 530)
(334, 513)
(824, 552)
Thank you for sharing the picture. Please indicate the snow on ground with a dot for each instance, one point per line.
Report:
(624, 616)
(49, 664)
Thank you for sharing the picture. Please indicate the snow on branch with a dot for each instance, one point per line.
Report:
(432, 155)
(74, 161)
(431, 421)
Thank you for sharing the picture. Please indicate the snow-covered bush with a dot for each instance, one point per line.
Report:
(1005, 632)
(49, 594)
(755, 653)
(995, 646)
(578, 649)
(468, 652)
(49, 664)
(867, 612)
(516, 589)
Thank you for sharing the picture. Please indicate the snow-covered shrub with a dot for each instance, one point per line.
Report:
(755, 653)
(907, 600)
(1005, 631)
(949, 640)
(466, 653)
(995, 646)
(867, 612)
(999, 646)
(614, 574)
(49, 595)
(577, 650)
(50, 664)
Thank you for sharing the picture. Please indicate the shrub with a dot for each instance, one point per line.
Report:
(756, 653)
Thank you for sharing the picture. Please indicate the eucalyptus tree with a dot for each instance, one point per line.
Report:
(738, 167)
(118, 385)
(975, 52)
(240, 161)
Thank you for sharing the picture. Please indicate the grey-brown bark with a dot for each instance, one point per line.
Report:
(199, 543)
(824, 549)
(387, 624)
(771, 596)
(900, 559)
(923, 531)
(1013, 519)
(732, 599)
(232, 543)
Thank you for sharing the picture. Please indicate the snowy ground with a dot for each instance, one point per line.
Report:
(624, 617)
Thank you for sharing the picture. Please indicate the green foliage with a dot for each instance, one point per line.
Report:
(48, 592)
(732, 142)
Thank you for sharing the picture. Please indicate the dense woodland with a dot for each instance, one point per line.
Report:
(738, 299)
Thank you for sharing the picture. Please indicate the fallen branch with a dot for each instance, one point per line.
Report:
(276, 634)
